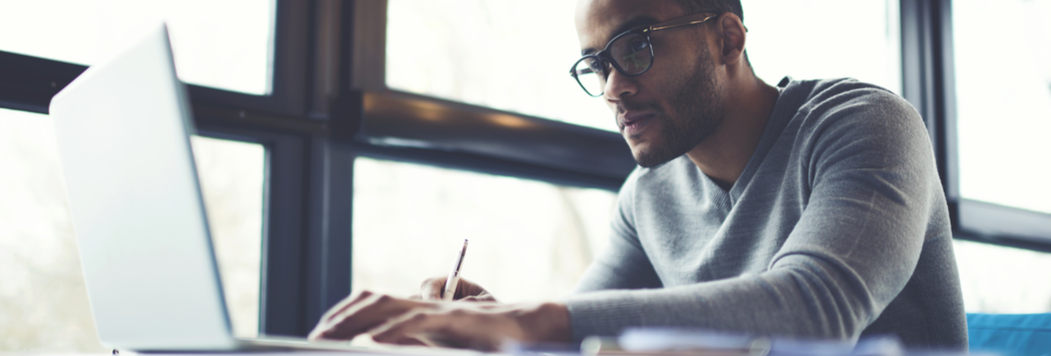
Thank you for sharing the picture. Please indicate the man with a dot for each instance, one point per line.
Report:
(811, 209)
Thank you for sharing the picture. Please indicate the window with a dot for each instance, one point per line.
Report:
(515, 55)
(43, 302)
(811, 39)
(508, 55)
(223, 44)
(528, 240)
(231, 175)
(472, 51)
(1004, 102)
(999, 279)
(1002, 110)
(43, 290)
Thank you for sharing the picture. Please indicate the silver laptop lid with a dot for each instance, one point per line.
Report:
(123, 131)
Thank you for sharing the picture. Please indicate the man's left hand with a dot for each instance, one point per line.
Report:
(481, 326)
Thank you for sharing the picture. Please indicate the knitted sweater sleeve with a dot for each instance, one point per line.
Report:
(850, 253)
(623, 263)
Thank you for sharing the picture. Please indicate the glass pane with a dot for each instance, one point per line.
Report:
(224, 44)
(232, 176)
(515, 55)
(999, 279)
(528, 240)
(508, 55)
(811, 39)
(43, 302)
(1004, 103)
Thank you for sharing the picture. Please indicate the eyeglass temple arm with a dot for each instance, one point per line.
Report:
(685, 21)
(573, 71)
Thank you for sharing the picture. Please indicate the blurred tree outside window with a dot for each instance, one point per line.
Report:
(43, 301)
(232, 178)
(529, 240)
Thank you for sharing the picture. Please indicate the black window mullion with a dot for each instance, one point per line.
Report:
(281, 292)
(327, 197)
(306, 254)
(924, 71)
(330, 195)
(929, 83)
(28, 83)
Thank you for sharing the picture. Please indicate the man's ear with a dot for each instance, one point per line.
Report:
(732, 38)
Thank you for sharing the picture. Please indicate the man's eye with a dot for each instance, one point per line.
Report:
(638, 45)
(596, 67)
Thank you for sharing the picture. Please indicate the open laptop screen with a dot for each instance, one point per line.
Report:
(123, 131)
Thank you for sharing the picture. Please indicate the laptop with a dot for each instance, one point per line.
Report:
(123, 129)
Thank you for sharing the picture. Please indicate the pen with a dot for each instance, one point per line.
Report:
(454, 276)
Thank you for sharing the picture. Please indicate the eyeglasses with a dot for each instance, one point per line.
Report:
(630, 53)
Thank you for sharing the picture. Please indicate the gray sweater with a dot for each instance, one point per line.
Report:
(837, 228)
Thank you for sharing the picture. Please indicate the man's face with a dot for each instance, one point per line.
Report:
(671, 108)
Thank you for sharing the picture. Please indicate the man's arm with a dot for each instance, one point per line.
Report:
(474, 325)
(484, 326)
(851, 253)
(622, 264)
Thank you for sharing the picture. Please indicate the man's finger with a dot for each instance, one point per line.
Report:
(362, 316)
(343, 305)
(366, 315)
(349, 302)
(408, 326)
(484, 297)
(412, 341)
(442, 329)
(431, 289)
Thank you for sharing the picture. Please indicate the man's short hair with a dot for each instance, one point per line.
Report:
(718, 6)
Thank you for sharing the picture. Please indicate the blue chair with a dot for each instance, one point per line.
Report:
(1010, 334)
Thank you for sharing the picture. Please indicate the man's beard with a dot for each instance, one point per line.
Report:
(697, 100)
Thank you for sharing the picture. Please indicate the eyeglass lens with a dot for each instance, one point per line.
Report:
(631, 55)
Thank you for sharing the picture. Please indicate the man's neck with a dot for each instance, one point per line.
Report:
(724, 155)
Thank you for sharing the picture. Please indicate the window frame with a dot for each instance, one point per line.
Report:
(929, 82)
(329, 104)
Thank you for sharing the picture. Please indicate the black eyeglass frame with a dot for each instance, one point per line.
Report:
(604, 57)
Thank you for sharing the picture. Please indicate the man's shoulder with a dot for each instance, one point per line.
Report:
(848, 102)
(829, 93)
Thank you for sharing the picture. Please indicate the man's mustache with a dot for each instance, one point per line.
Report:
(623, 106)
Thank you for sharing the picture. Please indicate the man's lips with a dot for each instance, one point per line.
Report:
(632, 122)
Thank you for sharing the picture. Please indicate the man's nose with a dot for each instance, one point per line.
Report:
(618, 86)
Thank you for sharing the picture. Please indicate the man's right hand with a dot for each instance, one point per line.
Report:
(432, 288)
